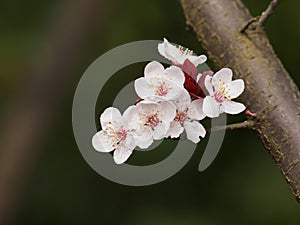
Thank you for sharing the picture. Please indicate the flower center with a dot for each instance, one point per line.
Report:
(162, 90)
(222, 93)
(152, 121)
(121, 134)
(181, 117)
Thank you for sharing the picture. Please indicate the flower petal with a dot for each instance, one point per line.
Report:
(210, 107)
(197, 60)
(143, 138)
(236, 88)
(111, 118)
(168, 50)
(183, 101)
(174, 74)
(143, 89)
(167, 111)
(160, 131)
(232, 107)
(208, 85)
(194, 130)
(175, 130)
(224, 75)
(153, 69)
(121, 154)
(102, 143)
(195, 110)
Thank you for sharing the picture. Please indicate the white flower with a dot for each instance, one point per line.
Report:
(115, 135)
(187, 116)
(151, 121)
(222, 90)
(179, 54)
(160, 84)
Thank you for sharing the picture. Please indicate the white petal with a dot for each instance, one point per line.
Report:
(129, 142)
(160, 131)
(175, 130)
(223, 75)
(145, 140)
(153, 69)
(167, 111)
(208, 85)
(236, 88)
(183, 101)
(195, 110)
(111, 118)
(143, 89)
(168, 50)
(121, 154)
(210, 107)
(194, 130)
(101, 142)
(127, 116)
(175, 74)
(232, 107)
(197, 60)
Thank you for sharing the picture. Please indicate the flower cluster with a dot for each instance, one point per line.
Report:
(173, 100)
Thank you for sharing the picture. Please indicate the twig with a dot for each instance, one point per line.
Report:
(246, 124)
(260, 20)
(268, 12)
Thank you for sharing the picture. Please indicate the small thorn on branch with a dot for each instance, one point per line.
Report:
(260, 20)
(248, 124)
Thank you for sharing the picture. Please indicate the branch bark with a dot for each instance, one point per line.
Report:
(270, 91)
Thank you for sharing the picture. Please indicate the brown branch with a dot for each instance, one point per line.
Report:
(248, 124)
(260, 20)
(270, 91)
(268, 12)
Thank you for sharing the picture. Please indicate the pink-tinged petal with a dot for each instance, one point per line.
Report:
(111, 118)
(235, 88)
(194, 130)
(190, 69)
(143, 89)
(208, 85)
(167, 111)
(233, 108)
(121, 154)
(160, 131)
(183, 101)
(210, 107)
(102, 143)
(223, 75)
(175, 130)
(153, 69)
(195, 110)
(174, 74)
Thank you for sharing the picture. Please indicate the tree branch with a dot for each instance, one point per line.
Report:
(248, 124)
(260, 20)
(270, 91)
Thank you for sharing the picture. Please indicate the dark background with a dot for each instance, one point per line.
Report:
(242, 186)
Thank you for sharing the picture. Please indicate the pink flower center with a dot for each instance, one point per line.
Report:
(162, 90)
(181, 117)
(152, 121)
(222, 93)
(121, 134)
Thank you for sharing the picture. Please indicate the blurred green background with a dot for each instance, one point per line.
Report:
(242, 186)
